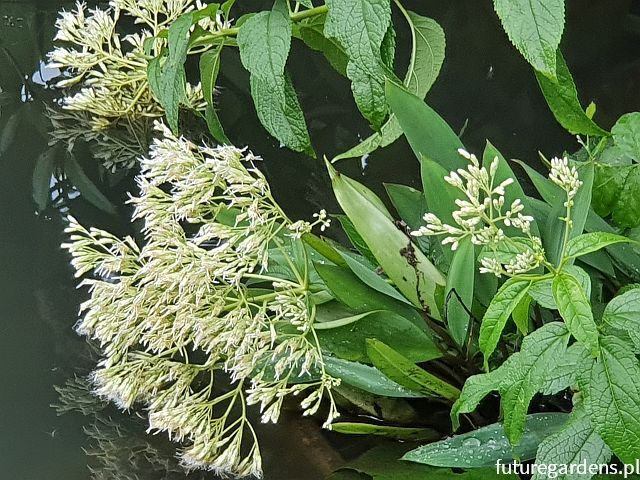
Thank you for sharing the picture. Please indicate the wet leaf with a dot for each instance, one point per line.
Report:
(399, 433)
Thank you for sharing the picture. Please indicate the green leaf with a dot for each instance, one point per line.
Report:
(519, 378)
(535, 29)
(499, 311)
(612, 398)
(342, 321)
(366, 378)
(582, 200)
(264, 41)
(608, 183)
(485, 446)
(575, 443)
(41, 180)
(388, 48)
(355, 238)
(360, 27)
(214, 125)
(626, 213)
(399, 433)
(403, 371)
(209, 69)
(626, 134)
(542, 290)
(360, 298)
(592, 242)
(512, 192)
(520, 314)
(623, 313)
(409, 203)
(427, 56)
(349, 341)
(280, 113)
(573, 305)
(168, 82)
(85, 186)
(428, 134)
(371, 278)
(562, 98)
(459, 291)
(311, 32)
(409, 269)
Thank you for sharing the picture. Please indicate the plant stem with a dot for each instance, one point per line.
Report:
(312, 12)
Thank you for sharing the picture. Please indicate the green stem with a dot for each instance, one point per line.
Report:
(311, 12)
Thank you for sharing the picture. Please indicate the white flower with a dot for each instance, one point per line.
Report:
(565, 176)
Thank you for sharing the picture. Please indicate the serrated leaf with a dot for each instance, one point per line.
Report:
(627, 210)
(499, 311)
(535, 29)
(575, 309)
(562, 98)
(349, 341)
(168, 81)
(427, 56)
(280, 113)
(542, 290)
(311, 32)
(626, 134)
(612, 398)
(459, 291)
(488, 445)
(403, 371)
(576, 443)
(360, 26)
(518, 379)
(388, 48)
(623, 312)
(592, 242)
(264, 41)
(366, 378)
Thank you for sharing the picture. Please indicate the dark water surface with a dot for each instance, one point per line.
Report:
(484, 84)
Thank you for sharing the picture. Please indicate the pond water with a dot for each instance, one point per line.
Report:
(484, 87)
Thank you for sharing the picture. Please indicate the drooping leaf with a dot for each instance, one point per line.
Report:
(427, 56)
(366, 378)
(403, 371)
(626, 134)
(592, 242)
(89, 191)
(349, 341)
(311, 32)
(574, 307)
(409, 269)
(575, 443)
(535, 28)
(499, 311)
(459, 291)
(542, 290)
(360, 27)
(520, 314)
(264, 41)
(562, 98)
(485, 446)
(428, 134)
(612, 398)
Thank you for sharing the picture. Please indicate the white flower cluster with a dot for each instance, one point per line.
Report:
(566, 177)
(111, 69)
(480, 215)
(170, 314)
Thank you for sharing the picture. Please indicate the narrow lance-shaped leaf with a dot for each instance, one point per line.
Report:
(399, 433)
(499, 311)
(89, 191)
(414, 275)
(575, 309)
(428, 134)
(459, 291)
(535, 28)
(485, 446)
(562, 97)
(592, 242)
(404, 372)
